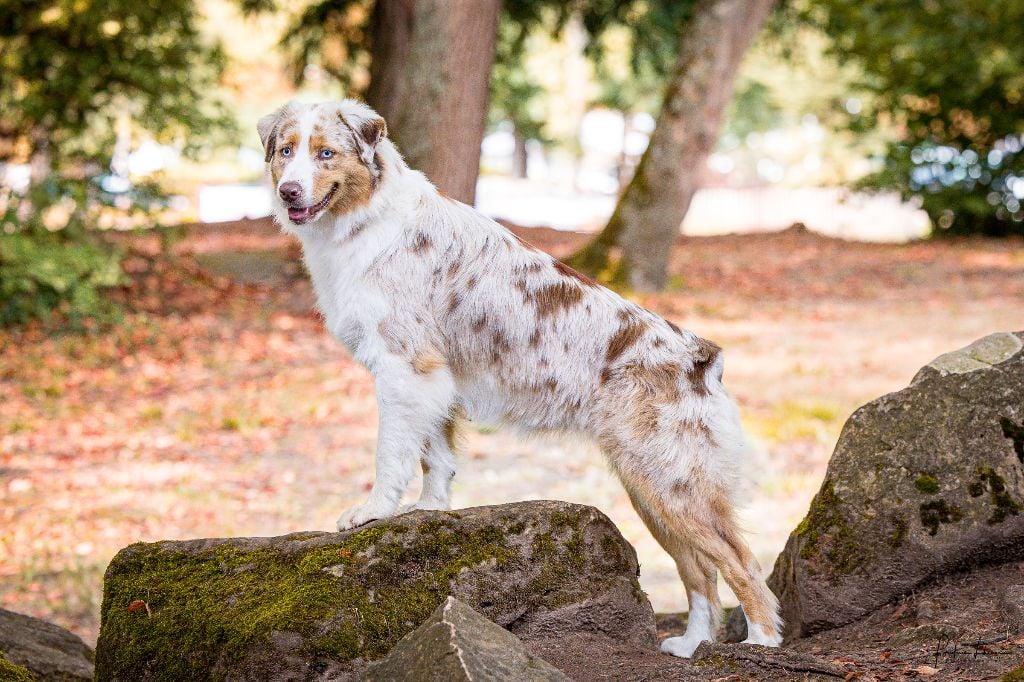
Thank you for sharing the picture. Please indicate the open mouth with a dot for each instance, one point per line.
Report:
(300, 215)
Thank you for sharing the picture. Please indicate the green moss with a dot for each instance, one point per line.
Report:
(927, 484)
(826, 534)
(717, 661)
(1015, 432)
(1003, 505)
(899, 530)
(938, 512)
(1015, 675)
(11, 672)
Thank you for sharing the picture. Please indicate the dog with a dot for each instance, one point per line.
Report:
(458, 318)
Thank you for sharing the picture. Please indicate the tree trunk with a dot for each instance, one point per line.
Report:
(646, 220)
(429, 79)
(390, 36)
(520, 157)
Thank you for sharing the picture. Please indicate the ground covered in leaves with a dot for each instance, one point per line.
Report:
(218, 406)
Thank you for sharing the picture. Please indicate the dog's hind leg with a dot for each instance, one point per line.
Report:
(701, 518)
(700, 578)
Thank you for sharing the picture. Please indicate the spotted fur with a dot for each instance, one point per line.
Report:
(458, 318)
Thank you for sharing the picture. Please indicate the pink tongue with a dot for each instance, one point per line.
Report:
(298, 213)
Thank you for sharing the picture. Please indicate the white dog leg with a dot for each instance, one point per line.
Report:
(413, 408)
(699, 628)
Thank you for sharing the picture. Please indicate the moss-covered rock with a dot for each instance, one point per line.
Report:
(42, 650)
(322, 605)
(923, 481)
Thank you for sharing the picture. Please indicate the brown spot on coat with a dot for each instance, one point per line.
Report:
(479, 323)
(628, 333)
(553, 298)
(421, 243)
(534, 339)
(674, 327)
(427, 362)
(566, 271)
(500, 345)
(454, 301)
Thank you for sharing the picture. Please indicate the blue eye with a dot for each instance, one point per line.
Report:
(286, 151)
(326, 153)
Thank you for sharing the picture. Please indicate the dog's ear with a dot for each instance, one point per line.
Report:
(267, 128)
(368, 128)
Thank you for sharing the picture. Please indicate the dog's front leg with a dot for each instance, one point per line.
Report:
(414, 407)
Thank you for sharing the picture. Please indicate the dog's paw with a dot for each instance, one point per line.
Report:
(363, 514)
(758, 635)
(683, 647)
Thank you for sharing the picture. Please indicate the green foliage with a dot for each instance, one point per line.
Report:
(74, 74)
(68, 68)
(949, 76)
(514, 97)
(49, 260)
(333, 34)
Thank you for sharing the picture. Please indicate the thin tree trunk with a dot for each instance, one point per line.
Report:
(520, 157)
(646, 220)
(432, 64)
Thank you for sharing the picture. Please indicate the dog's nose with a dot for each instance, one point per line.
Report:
(290, 191)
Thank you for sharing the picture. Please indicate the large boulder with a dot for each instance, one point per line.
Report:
(47, 651)
(315, 606)
(458, 644)
(923, 481)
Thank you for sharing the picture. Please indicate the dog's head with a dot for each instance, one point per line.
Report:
(323, 157)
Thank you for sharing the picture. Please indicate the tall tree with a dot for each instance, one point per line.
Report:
(646, 220)
(442, 103)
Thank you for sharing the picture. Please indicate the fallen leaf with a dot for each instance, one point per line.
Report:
(138, 605)
(926, 670)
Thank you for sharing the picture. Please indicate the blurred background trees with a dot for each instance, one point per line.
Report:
(924, 100)
(76, 81)
(948, 76)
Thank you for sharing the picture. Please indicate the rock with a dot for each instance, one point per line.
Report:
(764, 662)
(1011, 607)
(930, 632)
(457, 643)
(47, 651)
(316, 606)
(923, 481)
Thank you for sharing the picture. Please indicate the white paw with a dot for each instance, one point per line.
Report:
(758, 635)
(363, 514)
(681, 646)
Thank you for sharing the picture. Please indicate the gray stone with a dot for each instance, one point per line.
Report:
(924, 481)
(48, 651)
(318, 606)
(1011, 608)
(457, 643)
